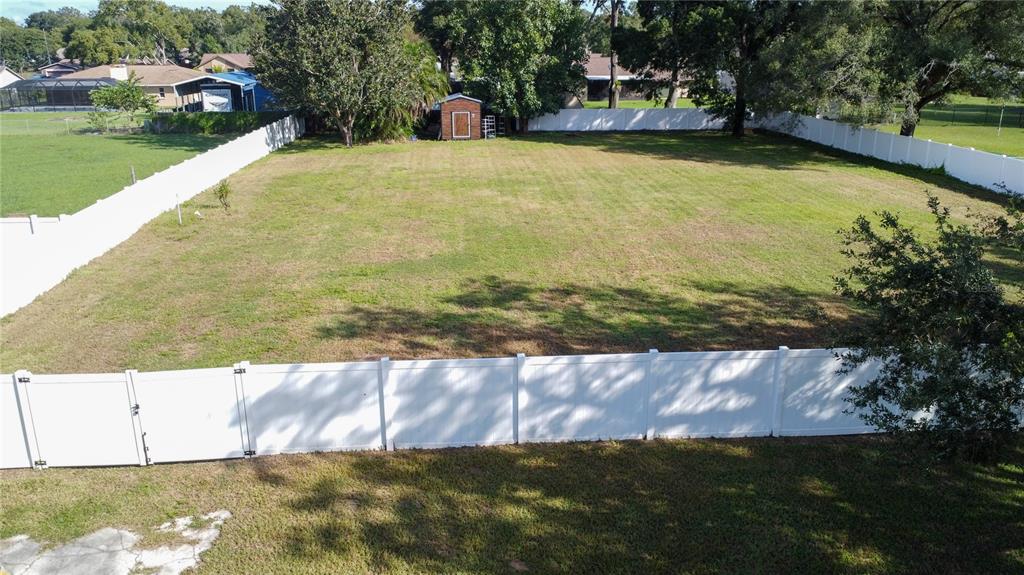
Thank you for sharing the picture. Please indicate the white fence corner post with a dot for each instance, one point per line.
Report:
(248, 445)
(383, 368)
(133, 406)
(650, 381)
(22, 379)
(517, 381)
(778, 385)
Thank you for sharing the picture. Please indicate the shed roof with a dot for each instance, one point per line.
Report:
(243, 79)
(63, 63)
(460, 96)
(148, 75)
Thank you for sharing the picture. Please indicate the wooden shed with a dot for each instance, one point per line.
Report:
(461, 118)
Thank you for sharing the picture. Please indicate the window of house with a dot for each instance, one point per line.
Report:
(161, 92)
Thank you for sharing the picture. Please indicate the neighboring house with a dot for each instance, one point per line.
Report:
(599, 76)
(233, 91)
(60, 68)
(174, 87)
(8, 77)
(225, 62)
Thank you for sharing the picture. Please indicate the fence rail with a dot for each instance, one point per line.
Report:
(38, 253)
(995, 172)
(138, 418)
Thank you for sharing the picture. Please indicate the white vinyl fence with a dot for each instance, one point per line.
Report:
(137, 418)
(991, 171)
(38, 253)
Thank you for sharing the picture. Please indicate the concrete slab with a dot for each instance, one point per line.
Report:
(112, 551)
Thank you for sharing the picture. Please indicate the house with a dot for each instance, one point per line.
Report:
(233, 91)
(8, 77)
(461, 118)
(599, 76)
(174, 87)
(225, 62)
(62, 67)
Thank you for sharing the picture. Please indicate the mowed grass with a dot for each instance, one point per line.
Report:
(551, 244)
(733, 506)
(45, 171)
(972, 122)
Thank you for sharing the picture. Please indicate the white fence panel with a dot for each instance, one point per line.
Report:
(13, 448)
(582, 397)
(813, 394)
(446, 403)
(191, 415)
(82, 420)
(975, 167)
(720, 394)
(919, 153)
(312, 407)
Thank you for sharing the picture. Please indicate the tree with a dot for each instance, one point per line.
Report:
(56, 20)
(950, 343)
(443, 24)
(241, 26)
(149, 27)
(345, 60)
(96, 47)
(22, 48)
(523, 57)
(931, 49)
(126, 97)
(658, 45)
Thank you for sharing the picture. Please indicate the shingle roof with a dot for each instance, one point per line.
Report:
(168, 75)
(238, 59)
(600, 68)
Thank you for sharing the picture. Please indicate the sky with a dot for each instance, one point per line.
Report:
(17, 10)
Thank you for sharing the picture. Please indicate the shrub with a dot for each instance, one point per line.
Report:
(222, 191)
(213, 122)
(950, 342)
(100, 120)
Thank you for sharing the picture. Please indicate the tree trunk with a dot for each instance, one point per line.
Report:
(739, 115)
(613, 84)
(522, 125)
(345, 123)
(673, 90)
(910, 118)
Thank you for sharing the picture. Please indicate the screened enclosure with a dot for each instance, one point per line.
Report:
(51, 94)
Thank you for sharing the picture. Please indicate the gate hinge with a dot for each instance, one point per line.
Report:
(239, 370)
(23, 380)
(249, 452)
(39, 463)
(135, 409)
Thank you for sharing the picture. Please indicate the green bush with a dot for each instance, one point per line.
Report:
(212, 122)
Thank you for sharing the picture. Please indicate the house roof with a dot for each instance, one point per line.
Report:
(17, 75)
(168, 75)
(460, 96)
(237, 59)
(64, 63)
(599, 67)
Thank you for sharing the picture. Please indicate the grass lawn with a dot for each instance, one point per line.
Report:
(45, 171)
(681, 103)
(551, 244)
(972, 122)
(734, 506)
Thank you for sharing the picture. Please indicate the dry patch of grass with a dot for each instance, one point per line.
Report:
(548, 244)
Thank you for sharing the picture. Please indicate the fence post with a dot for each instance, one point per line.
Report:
(892, 143)
(777, 389)
(517, 380)
(650, 381)
(22, 379)
(248, 449)
(133, 405)
(927, 153)
(383, 367)
(949, 150)
(1002, 170)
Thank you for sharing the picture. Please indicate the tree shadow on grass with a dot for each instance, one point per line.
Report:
(497, 316)
(185, 142)
(770, 506)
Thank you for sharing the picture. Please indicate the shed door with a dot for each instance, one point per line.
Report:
(460, 125)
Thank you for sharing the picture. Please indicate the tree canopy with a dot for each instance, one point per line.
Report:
(349, 61)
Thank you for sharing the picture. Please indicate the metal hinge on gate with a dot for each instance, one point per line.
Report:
(40, 463)
(23, 380)
(135, 409)
(249, 452)
(239, 370)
